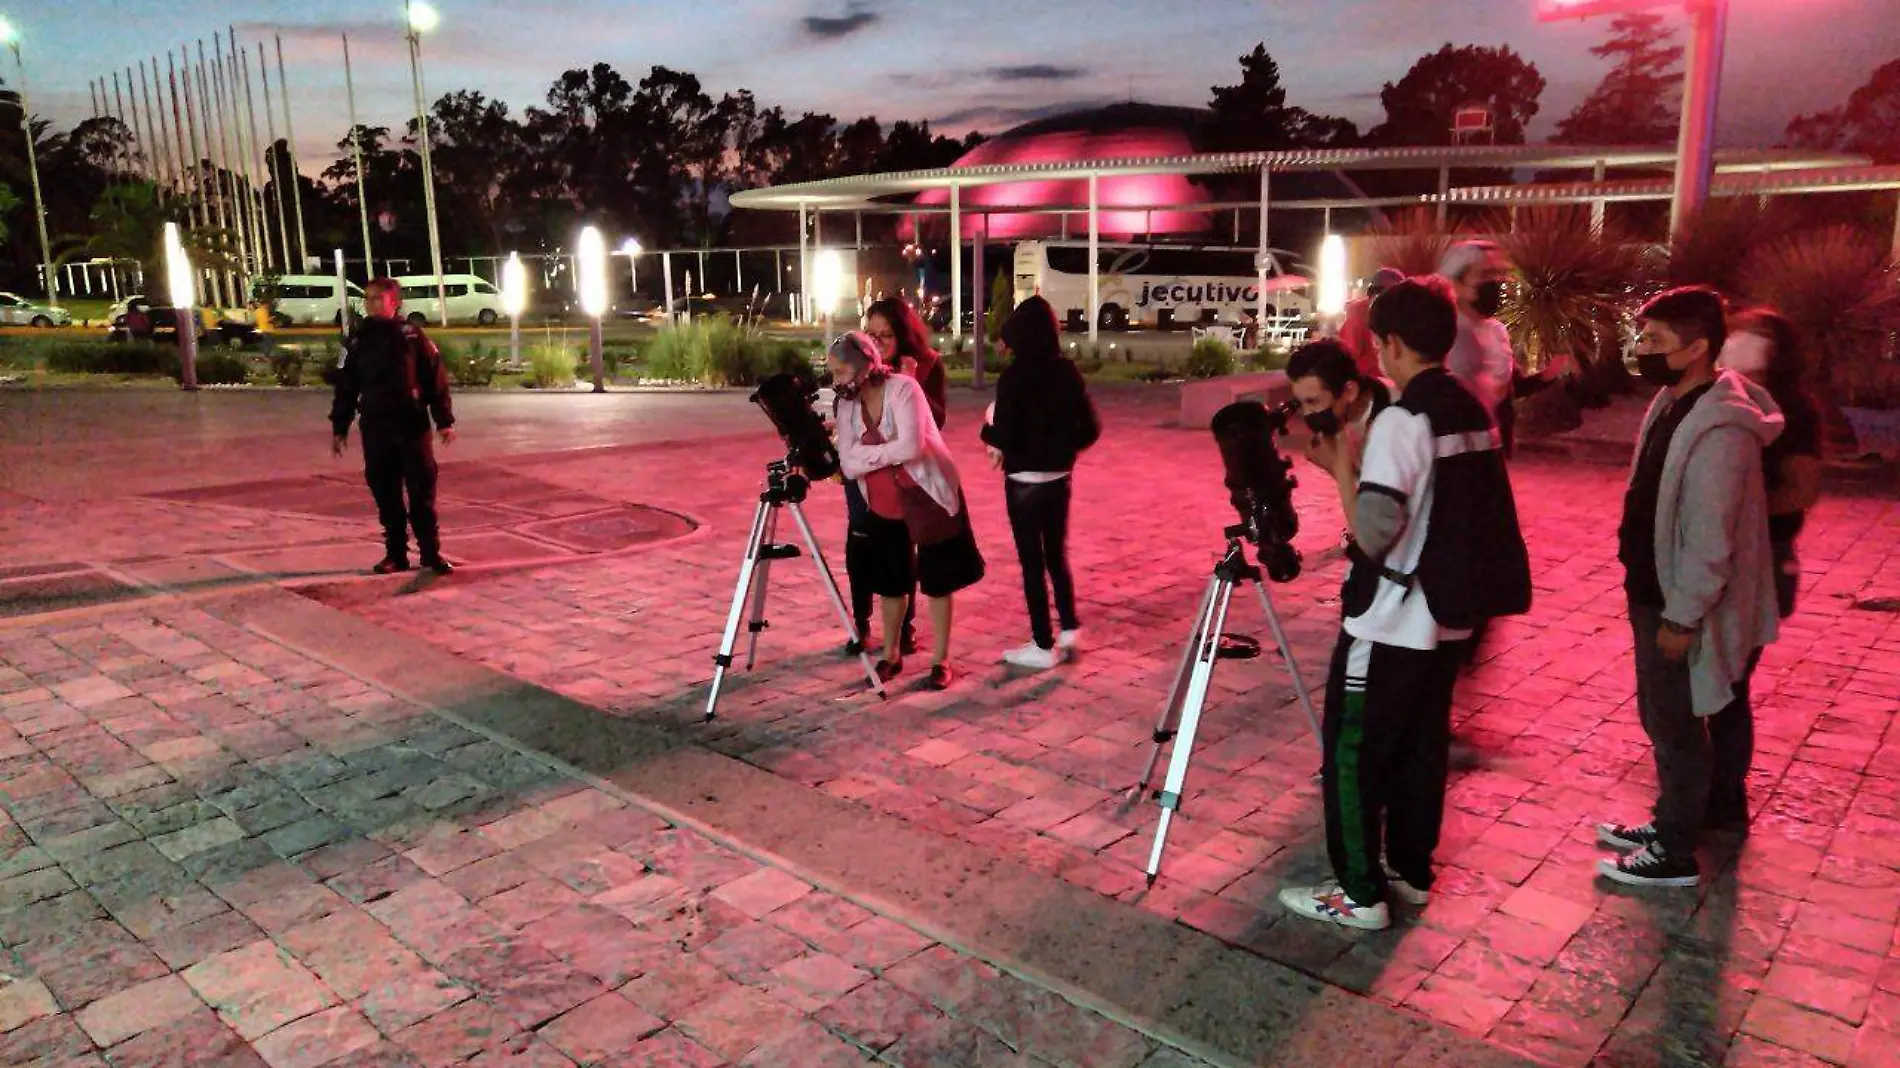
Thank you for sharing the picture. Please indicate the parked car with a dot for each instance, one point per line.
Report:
(18, 311)
(471, 298)
(119, 309)
(162, 326)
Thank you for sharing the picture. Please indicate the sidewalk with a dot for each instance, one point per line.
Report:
(221, 852)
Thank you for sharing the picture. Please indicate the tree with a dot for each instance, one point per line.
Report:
(9, 201)
(1254, 115)
(910, 146)
(1868, 123)
(859, 146)
(474, 149)
(1636, 102)
(1419, 109)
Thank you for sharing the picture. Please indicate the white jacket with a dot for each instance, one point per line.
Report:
(911, 440)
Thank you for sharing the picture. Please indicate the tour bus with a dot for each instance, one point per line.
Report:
(311, 298)
(471, 298)
(1157, 285)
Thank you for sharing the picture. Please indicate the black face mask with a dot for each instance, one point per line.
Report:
(1490, 298)
(1653, 367)
(1325, 422)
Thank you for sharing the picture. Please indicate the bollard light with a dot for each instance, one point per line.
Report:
(184, 302)
(1332, 276)
(514, 300)
(592, 263)
(631, 249)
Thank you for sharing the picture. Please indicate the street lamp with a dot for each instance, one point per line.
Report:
(514, 299)
(1701, 85)
(421, 18)
(184, 306)
(592, 255)
(11, 38)
(631, 249)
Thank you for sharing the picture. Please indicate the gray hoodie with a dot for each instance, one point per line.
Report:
(1712, 553)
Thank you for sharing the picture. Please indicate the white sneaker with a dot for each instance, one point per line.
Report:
(1328, 903)
(1405, 891)
(1067, 640)
(1033, 657)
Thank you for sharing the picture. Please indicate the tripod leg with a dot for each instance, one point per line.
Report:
(837, 597)
(1206, 653)
(723, 659)
(1165, 724)
(758, 624)
(1292, 666)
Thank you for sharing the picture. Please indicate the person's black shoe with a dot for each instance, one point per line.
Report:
(439, 566)
(941, 676)
(907, 644)
(390, 565)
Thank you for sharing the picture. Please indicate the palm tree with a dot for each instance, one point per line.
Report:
(1574, 287)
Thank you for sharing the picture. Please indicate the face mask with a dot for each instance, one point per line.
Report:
(1490, 298)
(1654, 368)
(850, 390)
(1747, 353)
(1325, 423)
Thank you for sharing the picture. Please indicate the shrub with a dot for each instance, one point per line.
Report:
(550, 366)
(473, 366)
(1210, 359)
(733, 357)
(95, 358)
(787, 356)
(676, 355)
(1270, 358)
(222, 369)
(1002, 303)
(286, 365)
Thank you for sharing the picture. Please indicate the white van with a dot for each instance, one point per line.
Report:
(471, 298)
(311, 298)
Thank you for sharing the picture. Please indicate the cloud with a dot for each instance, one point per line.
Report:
(836, 27)
(1035, 72)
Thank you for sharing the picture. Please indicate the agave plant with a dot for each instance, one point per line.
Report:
(1410, 241)
(1840, 287)
(1574, 287)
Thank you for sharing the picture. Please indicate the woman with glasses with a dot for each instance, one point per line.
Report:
(904, 343)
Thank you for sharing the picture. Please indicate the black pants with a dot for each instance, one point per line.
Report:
(1701, 762)
(1387, 735)
(1039, 518)
(863, 596)
(392, 462)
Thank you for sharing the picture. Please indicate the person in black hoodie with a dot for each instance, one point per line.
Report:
(394, 376)
(1041, 420)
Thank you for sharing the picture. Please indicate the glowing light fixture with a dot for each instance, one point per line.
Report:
(514, 286)
(593, 267)
(1332, 275)
(422, 17)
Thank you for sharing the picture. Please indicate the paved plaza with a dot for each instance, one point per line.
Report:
(260, 809)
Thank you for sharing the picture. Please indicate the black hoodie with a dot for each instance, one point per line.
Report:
(1043, 414)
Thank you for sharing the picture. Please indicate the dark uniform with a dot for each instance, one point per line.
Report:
(394, 376)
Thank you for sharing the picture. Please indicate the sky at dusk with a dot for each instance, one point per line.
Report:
(983, 64)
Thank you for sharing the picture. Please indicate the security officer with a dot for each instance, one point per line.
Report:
(394, 375)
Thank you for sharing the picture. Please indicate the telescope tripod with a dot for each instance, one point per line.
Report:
(784, 491)
(1178, 723)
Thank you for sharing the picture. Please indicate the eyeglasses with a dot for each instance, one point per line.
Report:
(880, 335)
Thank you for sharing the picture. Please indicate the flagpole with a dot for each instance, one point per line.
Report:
(247, 149)
(356, 149)
(161, 163)
(290, 142)
(178, 137)
(228, 218)
(273, 160)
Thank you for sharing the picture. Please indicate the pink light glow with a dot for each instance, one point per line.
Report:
(1113, 192)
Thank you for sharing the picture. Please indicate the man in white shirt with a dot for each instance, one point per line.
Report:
(1430, 461)
(1482, 357)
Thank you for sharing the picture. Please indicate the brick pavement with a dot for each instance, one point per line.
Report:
(218, 851)
(1785, 956)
